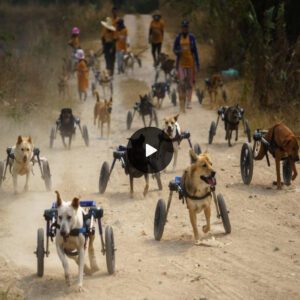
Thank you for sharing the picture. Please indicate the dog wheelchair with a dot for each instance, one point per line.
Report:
(145, 108)
(261, 148)
(162, 210)
(92, 217)
(221, 114)
(41, 161)
(121, 154)
(66, 126)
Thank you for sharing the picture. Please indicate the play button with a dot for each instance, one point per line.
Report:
(149, 150)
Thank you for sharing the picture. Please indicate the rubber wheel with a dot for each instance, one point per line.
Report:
(248, 131)
(286, 172)
(104, 177)
(85, 135)
(246, 163)
(52, 137)
(47, 175)
(159, 219)
(212, 132)
(155, 117)
(197, 149)
(110, 250)
(174, 97)
(129, 120)
(224, 214)
(259, 150)
(40, 252)
(199, 95)
(1, 172)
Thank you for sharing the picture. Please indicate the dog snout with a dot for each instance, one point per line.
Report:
(24, 158)
(63, 233)
(213, 173)
(109, 110)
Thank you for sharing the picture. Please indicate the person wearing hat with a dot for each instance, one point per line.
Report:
(74, 42)
(187, 63)
(156, 35)
(82, 74)
(121, 44)
(109, 44)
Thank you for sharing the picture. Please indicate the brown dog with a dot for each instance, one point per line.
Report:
(212, 84)
(102, 112)
(196, 181)
(283, 143)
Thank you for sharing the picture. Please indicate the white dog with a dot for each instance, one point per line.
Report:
(22, 164)
(172, 129)
(70, 240)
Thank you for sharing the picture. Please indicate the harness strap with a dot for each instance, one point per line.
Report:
(187, 195)
(177, 137)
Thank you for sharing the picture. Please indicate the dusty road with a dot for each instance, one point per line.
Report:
(260, 259)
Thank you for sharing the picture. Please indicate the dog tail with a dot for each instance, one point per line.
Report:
(58, 198)
(97, 96)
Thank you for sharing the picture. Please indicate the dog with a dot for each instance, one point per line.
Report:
(213, 84)
(172, 129)
(129, 61)
(105, 81)
(71, 244)
(21, 163)
(146, 108)
(283, 143)
(159, 90)
(167, 65)
(232, 117)
(197, 180)
(66, 126)
(102, 112)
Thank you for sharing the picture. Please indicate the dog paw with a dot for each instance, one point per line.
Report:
(205, 228)
(80, 289)
(68, 281)
(197, 243)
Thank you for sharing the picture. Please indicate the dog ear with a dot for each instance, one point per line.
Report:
(176, 117)
(193, 155)
(111, 99)
(58, 199)
(20, 140)
(75, 203)
(29, 140)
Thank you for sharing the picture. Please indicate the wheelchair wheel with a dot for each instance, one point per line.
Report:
(246, 163)
(85, 135)
(248, 131)
(52, 137)
(110, 250)
(287, 172)
(129, 120)
(174, 97)
(104, 177)
(155, 117)
(199, 95)
(212, 132)
(224, 214)
(1, 172)
(47, 175)
(259, 150)
(160, 219)
(197, 149)
(40, 252)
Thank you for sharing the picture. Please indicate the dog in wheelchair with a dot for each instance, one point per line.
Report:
(70, 242)
(212, 85)
(66, 125)
(20, 160)
(159, 91)
(129, 60)
(146, 108)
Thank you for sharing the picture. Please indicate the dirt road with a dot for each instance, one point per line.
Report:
(260, 259)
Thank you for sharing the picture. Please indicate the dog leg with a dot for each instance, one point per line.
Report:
(80, 268)
(92, 256)
(63, 140)
(175, 158)
(193, 219)
(70, 142)
(295, 173)
(131, 185)
(101, 129)
(108, 128)
(64, 262)
(15, 181)
(147, 184)
(277, 161)
(143, 117)
(26, 182)
(207, 212)
(229, 136)
(236, 134)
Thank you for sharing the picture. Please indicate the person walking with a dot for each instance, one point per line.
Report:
(187, 63)
(121, 44)
(156, 35)
(109, 44)
(82, 75)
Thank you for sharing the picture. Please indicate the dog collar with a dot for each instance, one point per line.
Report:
(194, 197)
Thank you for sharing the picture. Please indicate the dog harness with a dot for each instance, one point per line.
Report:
(193, 197)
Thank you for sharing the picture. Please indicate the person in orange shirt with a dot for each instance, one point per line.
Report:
(121, 44)
(74, 43)
(156, 35)
(82, 74)
(187, 63)
(109, 44)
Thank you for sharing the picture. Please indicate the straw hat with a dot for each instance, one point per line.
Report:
(108, 24)
(80, 54)
(156, 13)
